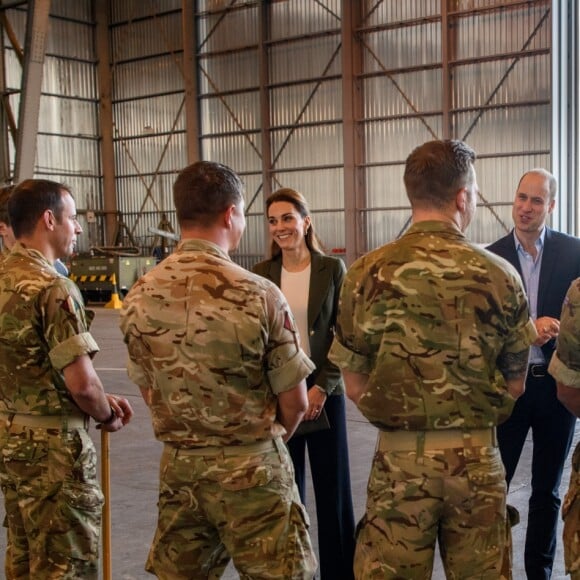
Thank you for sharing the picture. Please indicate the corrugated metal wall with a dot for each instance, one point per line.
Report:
(478, 71)
(148, 100)
(68, 133)
(271, 81)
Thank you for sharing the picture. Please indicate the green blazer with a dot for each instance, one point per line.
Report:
(326, 277)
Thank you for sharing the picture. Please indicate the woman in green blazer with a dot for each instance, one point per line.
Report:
(311, 283)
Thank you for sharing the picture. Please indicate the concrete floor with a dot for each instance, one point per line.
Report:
(134, 464)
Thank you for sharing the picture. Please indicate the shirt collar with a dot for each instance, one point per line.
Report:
(435, 226)
(539, 243)
(31, 253)
(198, 245)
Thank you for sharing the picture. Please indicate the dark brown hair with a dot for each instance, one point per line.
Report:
(436, 170)
(30, 199)
(204, 190)
(299, 202)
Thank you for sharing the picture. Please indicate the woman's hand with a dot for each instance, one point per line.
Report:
(316, 400)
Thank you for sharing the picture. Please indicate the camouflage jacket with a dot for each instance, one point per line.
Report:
(427, 317)
(215, 344)
(43, 328)
(565, 364)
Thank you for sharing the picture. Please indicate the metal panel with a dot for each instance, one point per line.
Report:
(69, 39)
(146, 77)
(68, 117)
(234, 151)
(67, 155)
(70, 78)
(157, 114)
(217, 117)
(305, 59)
(230, 29)
(300, 17)
(81, 10)
(129, 10)
(143, 38)
(151, 154)
(232, 72)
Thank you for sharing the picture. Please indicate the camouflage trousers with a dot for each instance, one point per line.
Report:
(454, 496)
(53, 503)
(571, 517)
(230, 502)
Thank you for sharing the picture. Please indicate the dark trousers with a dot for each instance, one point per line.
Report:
(552, 432)
(328, 456)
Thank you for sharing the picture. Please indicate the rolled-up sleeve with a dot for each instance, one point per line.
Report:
(565, 364)
(286, 362)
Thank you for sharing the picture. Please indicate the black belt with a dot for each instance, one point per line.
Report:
(538, 371)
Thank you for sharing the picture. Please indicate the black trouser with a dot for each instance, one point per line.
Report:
(328, 456)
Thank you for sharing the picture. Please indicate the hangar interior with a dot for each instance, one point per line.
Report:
(114, 97)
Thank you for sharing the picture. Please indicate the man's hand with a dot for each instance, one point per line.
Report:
(122, 407)
(121, 413)
(547, 329)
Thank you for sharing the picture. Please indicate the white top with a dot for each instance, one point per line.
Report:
(295, 286)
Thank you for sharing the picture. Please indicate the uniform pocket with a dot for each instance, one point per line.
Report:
(484, 466)
(75, 529)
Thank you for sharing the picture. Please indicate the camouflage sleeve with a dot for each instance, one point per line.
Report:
(286, 363)
(520, 331)
(329, 374)
(139, 367)
(513, 365)
(565, 364)
(65, 323)
(350, 348)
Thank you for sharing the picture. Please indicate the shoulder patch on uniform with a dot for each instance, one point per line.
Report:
(69, 305)
(288, 322)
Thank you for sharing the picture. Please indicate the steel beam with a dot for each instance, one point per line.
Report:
(265, 119)
(190, 67)
(353, 138)
(104, 73)
(34, 48)
(5, 176)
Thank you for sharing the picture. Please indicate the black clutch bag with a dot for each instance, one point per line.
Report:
(319, 424)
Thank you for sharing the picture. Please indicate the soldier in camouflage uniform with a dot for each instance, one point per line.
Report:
(215, 352)
(432, 337)
(565, 368)
(48, 390)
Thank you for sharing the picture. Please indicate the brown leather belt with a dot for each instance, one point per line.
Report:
(441, 439)
(46, 421)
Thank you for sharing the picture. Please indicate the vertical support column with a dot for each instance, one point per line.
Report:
(447, 50)
(4, 151)
(34, 48)
(265, 109)
(104, 75)
(565, 113)
(190, 68)
(353, 138)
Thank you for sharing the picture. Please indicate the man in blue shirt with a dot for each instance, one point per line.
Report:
(547, 261)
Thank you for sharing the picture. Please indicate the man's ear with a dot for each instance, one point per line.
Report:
(228, 216)
(48, 219)
(461, 199)
(3, 228)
